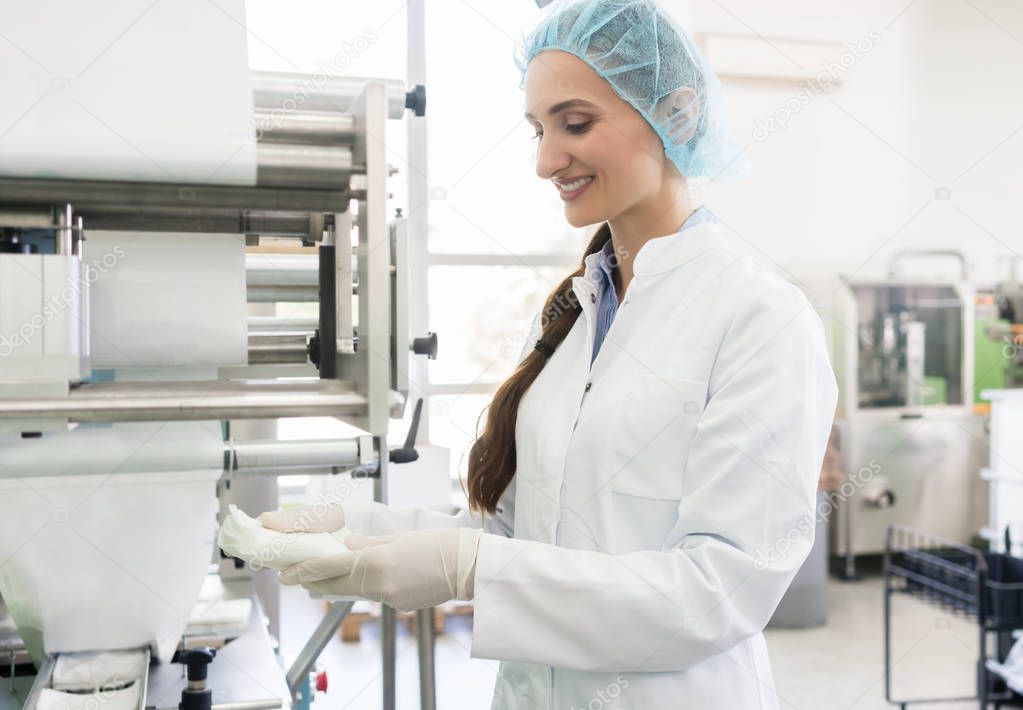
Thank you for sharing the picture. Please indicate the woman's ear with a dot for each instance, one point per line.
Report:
(683, 111)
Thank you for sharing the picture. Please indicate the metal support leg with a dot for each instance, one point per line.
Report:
(388, 616)
(388, 647)
(316, 643)
(425, 641)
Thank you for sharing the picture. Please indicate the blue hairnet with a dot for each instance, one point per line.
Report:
(652, 63)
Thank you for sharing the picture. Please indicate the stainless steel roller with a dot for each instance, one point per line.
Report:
(283, 294)
(173, 446)
(278, 350)
(264, 269)
(303, 166)
(192, 401)
(307, 128)
(291, 92)
(265, 325)
(276, 454)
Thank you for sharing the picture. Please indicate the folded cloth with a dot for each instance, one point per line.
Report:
(125, 699)
(95, 670)
(244, 537)
(219, 616)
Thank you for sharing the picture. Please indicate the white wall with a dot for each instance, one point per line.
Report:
(936, 103)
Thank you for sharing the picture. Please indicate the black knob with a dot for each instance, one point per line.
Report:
(313, 349)
(426, 346)
(197, 661)
(416, 99)
(408, 453)
(196, 696)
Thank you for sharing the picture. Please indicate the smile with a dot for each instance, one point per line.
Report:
(571, 190)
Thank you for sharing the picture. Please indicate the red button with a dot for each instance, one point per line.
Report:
(321, 682)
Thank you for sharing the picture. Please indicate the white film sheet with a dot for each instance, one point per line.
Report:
(130, 90)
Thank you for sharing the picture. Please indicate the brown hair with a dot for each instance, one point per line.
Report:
(492, 456)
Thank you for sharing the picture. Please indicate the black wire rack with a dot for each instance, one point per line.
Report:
(961, 580)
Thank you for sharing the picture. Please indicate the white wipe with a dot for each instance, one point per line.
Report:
(126, 699)
(215, 617)
(245, 537)
(95, 671)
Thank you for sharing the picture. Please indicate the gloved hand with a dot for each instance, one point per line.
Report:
(408, 571)
(318, 518)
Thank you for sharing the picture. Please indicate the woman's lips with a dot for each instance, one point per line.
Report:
(568, 196)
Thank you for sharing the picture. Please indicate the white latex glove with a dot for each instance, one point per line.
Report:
(320, 518)
(409, 571)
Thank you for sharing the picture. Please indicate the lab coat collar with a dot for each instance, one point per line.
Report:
(662, 254)
(656, 256)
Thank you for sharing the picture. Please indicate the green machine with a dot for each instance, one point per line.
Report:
(999, 341)
(992, 342)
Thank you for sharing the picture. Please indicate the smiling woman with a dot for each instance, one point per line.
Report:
(626, 110)
(666, 420)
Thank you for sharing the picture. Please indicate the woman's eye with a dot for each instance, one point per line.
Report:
(574, 128)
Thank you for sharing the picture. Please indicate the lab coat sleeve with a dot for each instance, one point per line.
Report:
(380, 519)
(745, 523)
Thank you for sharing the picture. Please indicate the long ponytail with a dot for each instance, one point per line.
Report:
(492, 456)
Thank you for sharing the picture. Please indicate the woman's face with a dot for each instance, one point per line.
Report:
(587, 132)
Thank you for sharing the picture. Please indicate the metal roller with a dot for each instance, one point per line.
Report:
(94, 196)
(262, 269)
(303, 166)
(278, 350)
(265, 325)
(283, 294)
(308, 128)
(191, 401)
(286, 293)
(289, 92)
(276, 454)
(283, 278)
(174, 446)
(204, 219)
(26, 217)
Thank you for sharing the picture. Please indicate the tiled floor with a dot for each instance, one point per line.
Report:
(838, 666)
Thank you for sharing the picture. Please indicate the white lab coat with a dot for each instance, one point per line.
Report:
(663, 499)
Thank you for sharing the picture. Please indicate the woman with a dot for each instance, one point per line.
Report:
(645, 476)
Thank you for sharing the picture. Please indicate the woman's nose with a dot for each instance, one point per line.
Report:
(550, 158)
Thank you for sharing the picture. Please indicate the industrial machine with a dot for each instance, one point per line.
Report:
(911, 445)
(1002, 331)
(136, 387)
(1000, 385)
